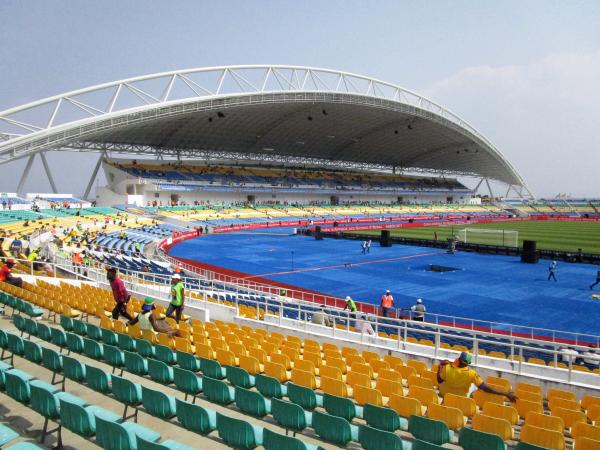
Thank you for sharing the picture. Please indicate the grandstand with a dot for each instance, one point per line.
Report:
(248, 368)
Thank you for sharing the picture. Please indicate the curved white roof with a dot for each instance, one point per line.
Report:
(273, 111)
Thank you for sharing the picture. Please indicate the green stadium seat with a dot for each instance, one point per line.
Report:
(290, 416)
(7, 434)
(114, 357)
(126, 342)
(32, 311)
(252, 402)
(135, 363)
(97, 379)
(19, 323)
(3, 341)
(382, 418)
(93, 349)
(374, 439)
(17, 385)
(58, 337)
(334, 429)
(188, 361)
(144, 348)
(429, 430)
(15, 346)
(188, 382)
(269, 387)
(303, 396)
(422, 445)
(109, 337)
(44, 332)
(73, 369)
(81, 420)
(238, 433)
(79, 327)
(52, 361)
(159, 371)
(341, 407)
(66, 323)
(170, 444)
(122, 436)
(74, 343)
(276, 441)
(32, 351)
(239, 377)
(195, 417)
(212, 368)
(94, 332)
(128, 393)
(158, 404)
(165, 354)
(470, 439)
(31, 327)
(217, 391)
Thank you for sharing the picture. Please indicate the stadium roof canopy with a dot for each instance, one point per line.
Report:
(274, 113)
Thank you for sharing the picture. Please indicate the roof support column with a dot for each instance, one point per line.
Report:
(478, 184)
(93, 177)
(25, 175)
(48, 172)
(489, 187)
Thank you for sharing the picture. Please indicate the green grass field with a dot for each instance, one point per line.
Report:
(550, 235)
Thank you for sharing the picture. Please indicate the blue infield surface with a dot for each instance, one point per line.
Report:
(486, 287)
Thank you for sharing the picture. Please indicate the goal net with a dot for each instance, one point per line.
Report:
(487, 236)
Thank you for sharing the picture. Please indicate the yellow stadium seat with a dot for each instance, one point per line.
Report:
(330, 347)
(544, 421)
(258, 353)
(482, 397)
(348, 351)
(226, 357)
(419, 381)
(353, 379)
(560, 393)
(355, 359)
(585, 443)
(306, 365)
(406, 371)
(493, 425)
(334, 386)
(453, 417)
(543, 438)
(388, 387)
(363, 395)
(304, 378)
(525, 406)
(593, 412)
(569, 416)
(166, 340)
(276, 371)
(183, 345)
(294, 340)
(313, 357)
(331, 372)
(269, 347)
(424, 395)
(404, 406)
(282, 359)
(218, 343)
(538, 361)
(466, 405)
(502, 383)
(508, 413)
(582, 429)
(419, 366)
(558, 402)
(291, 352)
(250, 364)
(390, 375)
(238, 349)
(530, 396)
(362, 368)
(393, 361)
(495, 354)
(378, 365)
(528, 387)
(588, 400)
(312, 345)
(149, 336)
(431, 375)
(337, 363)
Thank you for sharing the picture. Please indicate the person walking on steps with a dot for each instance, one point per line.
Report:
(552, 271)
(597, 280)
(120, 294)
(387, 303)
(351, 306)
(177, 298)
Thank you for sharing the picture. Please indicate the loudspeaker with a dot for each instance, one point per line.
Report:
(385, 240)
(318, 234)
(529, 254)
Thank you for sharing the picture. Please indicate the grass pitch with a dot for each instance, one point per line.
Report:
(549, 234)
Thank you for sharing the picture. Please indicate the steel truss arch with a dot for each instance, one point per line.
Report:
(69, 120)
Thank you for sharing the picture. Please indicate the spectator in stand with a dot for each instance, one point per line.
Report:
(387, 303)
(7, 276)
(177, 298)
(16, 246)
(419, 311)
(457, 378)
(120, 294)
(320, 317)
(363, 326)
(147, 320)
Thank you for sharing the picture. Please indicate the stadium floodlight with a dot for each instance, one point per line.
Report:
(488, 236)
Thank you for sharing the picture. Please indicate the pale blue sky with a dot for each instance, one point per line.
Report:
(523, 72)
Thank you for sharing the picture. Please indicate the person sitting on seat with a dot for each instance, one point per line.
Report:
(457, 378)
(147, 320)
(7, 276)
(320, 317)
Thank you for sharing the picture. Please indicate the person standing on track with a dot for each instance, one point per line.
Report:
(364, 247)
(387, 303)
(597, 280)
(552, 271)
(369, 243)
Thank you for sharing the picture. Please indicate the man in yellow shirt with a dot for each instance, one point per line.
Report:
(456, 378)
